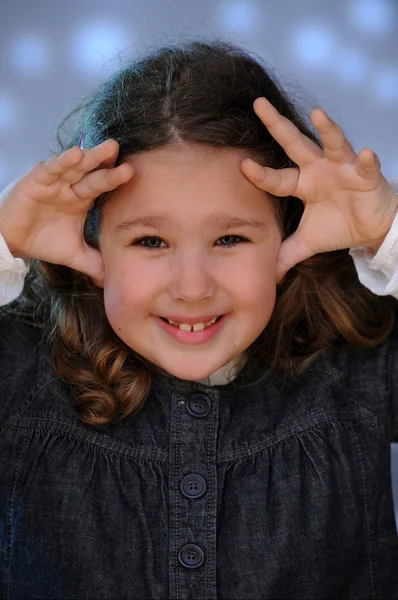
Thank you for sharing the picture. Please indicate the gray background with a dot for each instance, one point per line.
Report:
(341, 55)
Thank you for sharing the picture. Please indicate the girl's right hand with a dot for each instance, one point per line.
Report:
(42, 213)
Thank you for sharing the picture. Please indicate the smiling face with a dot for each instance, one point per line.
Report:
(185, 268)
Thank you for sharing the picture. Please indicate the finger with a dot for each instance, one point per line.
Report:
(71, 165)
(111, 147)
(297, 146)
(109, 162)
(47, 172)
(278, 182)
(103, 180)
(93, 158)
(291, 252)
(335, 145)
(368, 165)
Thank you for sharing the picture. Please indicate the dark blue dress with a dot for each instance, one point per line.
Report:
(207, 492)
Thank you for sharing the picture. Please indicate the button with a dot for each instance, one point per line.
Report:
(193, 486)
(191, 556)
(198, 405)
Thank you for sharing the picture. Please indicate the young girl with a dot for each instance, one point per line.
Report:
(197, 393)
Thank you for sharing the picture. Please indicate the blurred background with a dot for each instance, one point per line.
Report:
(340, 55)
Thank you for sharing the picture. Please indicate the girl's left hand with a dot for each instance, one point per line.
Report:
(347, 200)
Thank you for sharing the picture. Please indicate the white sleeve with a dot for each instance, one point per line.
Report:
(12, 274)
(379, 273)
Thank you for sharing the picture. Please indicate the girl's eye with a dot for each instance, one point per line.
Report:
(153, 239)
(232, 243)
(141, 242)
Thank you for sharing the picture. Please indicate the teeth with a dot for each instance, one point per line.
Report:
(195, 327)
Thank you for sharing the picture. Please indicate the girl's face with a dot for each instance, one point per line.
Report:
(185, 269)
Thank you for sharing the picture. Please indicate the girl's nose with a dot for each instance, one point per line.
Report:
(191, 279)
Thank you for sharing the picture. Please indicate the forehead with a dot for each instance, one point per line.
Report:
(184, 154)
(187, 179)
(184, 163)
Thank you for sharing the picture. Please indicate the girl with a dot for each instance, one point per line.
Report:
(197, 394)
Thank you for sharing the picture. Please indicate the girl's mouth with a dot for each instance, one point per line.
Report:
(193, 337)
(200, 326)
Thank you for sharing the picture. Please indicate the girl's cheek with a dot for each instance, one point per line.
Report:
(129, 294)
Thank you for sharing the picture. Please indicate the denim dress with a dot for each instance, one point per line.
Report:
(268, 491)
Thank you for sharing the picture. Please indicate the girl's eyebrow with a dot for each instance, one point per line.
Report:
(215, 221)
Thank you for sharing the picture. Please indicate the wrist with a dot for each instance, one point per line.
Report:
(12, 249)
(375, 245)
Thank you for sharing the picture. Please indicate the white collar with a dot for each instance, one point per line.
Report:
(226, 373)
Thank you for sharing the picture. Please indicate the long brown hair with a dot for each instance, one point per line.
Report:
(198, 92)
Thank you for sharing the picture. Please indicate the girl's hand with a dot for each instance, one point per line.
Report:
(42, 213)
(347, 201)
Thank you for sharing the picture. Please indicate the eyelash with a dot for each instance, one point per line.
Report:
(139, 241)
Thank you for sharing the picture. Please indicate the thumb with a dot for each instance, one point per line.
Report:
(291, 252)
(90, 262)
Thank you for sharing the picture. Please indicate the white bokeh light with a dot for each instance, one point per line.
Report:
(313, 45)
(96, 42)
(30, 54)
(372, 16)
(386, 85)
(351, 65)
(8, 113)
(238, 16)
